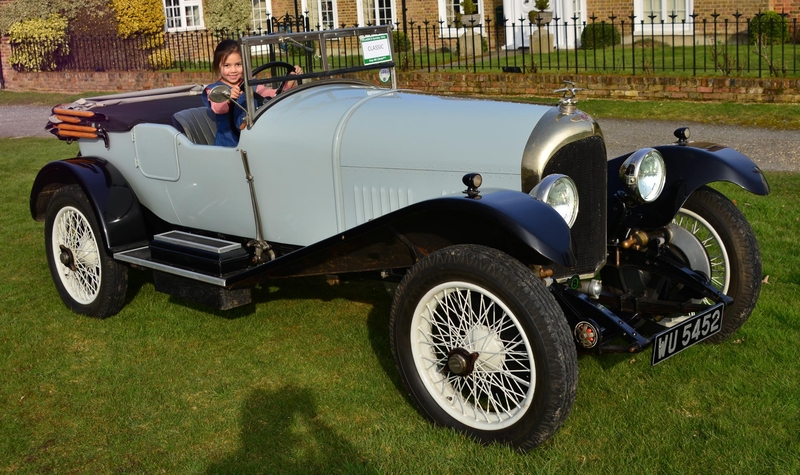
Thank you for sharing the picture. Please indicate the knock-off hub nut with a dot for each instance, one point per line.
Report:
(461, 361)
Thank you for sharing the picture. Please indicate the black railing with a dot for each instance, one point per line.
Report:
(764, 45)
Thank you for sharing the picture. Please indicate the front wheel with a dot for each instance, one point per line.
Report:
(482, 346)
(733, 260)
(88, 280)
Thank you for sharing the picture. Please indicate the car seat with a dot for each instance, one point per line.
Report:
(199, 124)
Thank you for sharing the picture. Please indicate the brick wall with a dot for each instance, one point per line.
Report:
(767, 90)
(772, 90)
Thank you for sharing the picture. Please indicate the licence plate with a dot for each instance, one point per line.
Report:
(687, 333)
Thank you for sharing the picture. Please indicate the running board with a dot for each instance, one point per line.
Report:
(193, 267)
(141, 258)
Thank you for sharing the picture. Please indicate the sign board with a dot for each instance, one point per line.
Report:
(376, 49)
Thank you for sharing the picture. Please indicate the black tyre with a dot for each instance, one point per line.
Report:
(483, 347)
(731, 250)
(88, 280)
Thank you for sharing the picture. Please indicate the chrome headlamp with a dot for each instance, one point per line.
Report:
(644, 174)
(560, 192)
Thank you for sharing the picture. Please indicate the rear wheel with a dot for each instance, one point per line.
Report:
(87, 279)
(483, 347)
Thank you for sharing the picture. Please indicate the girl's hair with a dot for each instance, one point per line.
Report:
(222, 51)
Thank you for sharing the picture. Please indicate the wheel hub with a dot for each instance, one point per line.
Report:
(492, 354)
(66, 257)
(690, 248)
(461, 361)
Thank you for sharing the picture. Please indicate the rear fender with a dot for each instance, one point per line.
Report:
(510, 221)
(117, 209)
(688, 168)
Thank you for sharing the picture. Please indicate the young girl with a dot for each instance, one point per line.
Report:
(228, 66)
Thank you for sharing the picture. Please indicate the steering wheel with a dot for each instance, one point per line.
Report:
(279, 64)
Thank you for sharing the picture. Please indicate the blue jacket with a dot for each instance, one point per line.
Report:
(227, 124)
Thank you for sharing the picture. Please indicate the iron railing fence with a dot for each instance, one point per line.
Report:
(764, 45)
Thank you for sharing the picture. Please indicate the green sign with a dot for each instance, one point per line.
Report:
(376, 48)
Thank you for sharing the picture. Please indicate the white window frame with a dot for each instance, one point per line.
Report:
(313, 22)
(182, 6)
(362, 14)
(447, 31)
(259, 18)
(657, 29)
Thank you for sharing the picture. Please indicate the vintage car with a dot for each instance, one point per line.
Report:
(512, 248)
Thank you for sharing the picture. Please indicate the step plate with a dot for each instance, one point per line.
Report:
(201, 254)
(194, 241)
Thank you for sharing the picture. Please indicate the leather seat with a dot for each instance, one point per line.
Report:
(198, 124)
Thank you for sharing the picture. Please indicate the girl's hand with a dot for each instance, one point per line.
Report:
(235, 92)
(291, 84)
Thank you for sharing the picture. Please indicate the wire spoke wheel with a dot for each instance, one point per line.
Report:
(87, 279)
(483, 347)
(460, 315)
(75, 247)
(721, 245)
(709, 238)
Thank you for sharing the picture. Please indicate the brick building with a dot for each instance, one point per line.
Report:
(326, 14)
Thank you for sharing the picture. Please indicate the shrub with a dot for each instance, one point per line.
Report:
(400, 42)
(769, 28)
(139, 17)
(468, 7)
(600, 35)
(231, 15)
(40, 42)
(160, 59)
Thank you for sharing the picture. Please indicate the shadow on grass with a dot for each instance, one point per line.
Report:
(282, 433)
(296, 288)
(136, 280)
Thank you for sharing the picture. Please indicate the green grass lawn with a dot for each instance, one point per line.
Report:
(302, 381)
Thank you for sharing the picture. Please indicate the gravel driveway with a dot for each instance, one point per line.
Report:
(24, 121)
(774, 150)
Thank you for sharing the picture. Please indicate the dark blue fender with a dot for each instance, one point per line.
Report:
(688, 168)
(510, 221)
(116, 207)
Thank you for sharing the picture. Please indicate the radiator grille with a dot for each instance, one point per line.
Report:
(585, 162)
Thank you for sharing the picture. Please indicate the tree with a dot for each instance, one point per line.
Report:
(233, 15)
(20, 10)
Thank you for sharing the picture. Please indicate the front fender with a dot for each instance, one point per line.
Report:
(511, 221)
(115, 205)
(688, 168)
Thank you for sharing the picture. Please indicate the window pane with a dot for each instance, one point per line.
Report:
(451, 8)
(652, 8)
(576, 9)
(192, 16)
(259, 15)
(384, 12)
(172, 12)
(326, 8)
(678, 8)
(369, 12)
